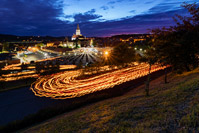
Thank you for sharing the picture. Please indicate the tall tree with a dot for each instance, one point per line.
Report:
(179, 45)
(123, 54)
(24, 66)
(1, 66)
(150, 58)
(5, 46)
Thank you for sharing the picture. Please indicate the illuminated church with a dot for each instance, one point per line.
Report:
(77, 40)
(78, 35)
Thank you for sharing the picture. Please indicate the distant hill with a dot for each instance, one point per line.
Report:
(7, 37)
(11, 38)
(129, 35)
(14, 38)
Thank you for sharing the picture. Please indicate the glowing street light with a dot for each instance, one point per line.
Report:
(106, 53)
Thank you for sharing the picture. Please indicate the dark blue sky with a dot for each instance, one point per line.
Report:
(96, 17)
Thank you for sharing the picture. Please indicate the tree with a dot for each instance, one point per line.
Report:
(2, 83)
(38, 67)
(178, 46)
(39, 45)
(77, 42)
(1, 66)
(1, 47)
(5, 46)
(123, 54)
(24, 66)
(150, 58)
(80, 65)
(57, 66)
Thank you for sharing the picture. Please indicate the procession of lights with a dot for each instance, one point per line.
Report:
(64, 85)
(28, 74)
(18, 76)
(18, 66)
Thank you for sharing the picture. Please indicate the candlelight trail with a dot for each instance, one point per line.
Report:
(171, 107)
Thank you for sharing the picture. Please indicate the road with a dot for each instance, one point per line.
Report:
(16, 104)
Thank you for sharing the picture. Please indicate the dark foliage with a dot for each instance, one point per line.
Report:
(179, 45)
(123, 54)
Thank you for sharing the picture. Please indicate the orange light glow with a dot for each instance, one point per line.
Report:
(106, 53)
(64, 85)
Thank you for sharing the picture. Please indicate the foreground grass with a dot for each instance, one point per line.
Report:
(172, 107)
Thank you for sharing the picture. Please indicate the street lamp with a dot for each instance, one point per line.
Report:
(106, 54)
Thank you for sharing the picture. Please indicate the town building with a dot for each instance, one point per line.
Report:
(76, 41)
(77, 35)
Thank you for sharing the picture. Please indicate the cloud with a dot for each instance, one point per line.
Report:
(164, 7)
(29, 17)
(148, 2)
(40, 17)
(104, 7)
(133, 11)
(86, 17)
(137, 24)
(115, 1)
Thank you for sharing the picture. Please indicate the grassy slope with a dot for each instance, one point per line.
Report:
(173, 107)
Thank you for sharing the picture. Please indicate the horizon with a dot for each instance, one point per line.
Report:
(71, 36)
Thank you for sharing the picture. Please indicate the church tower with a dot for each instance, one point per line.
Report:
(78, 34)
(78, 30)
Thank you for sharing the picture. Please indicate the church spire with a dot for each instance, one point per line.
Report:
(78, 30)
(78, 34)
(78, 27)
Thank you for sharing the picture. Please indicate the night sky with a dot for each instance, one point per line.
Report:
(96, 17)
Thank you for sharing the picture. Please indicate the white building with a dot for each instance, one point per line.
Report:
(78, 34)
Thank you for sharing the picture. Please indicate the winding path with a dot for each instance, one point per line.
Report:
(64, 85)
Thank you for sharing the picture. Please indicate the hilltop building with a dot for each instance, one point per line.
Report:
(77, 35)
(76, 41)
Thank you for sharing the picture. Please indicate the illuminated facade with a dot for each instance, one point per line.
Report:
(77, 35)
(78, 30)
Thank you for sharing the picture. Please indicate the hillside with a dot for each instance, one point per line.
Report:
(171, 107)
(14, 38)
